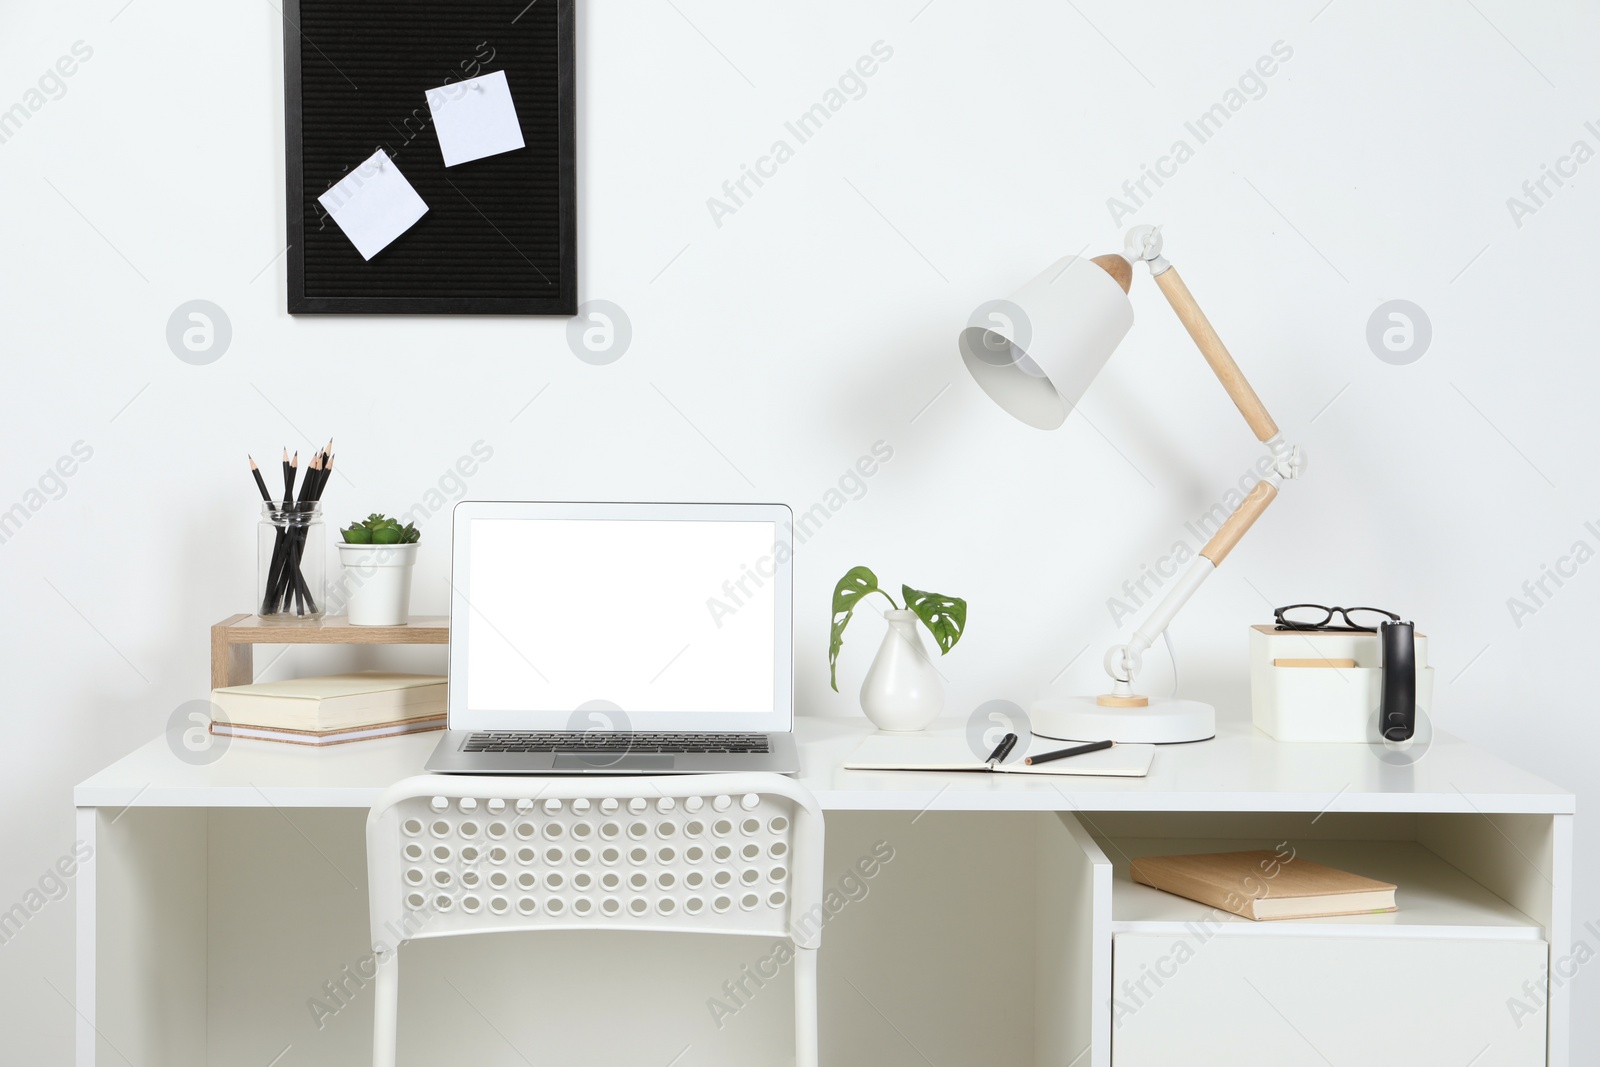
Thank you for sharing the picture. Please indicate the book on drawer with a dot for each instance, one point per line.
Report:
(1262, 884)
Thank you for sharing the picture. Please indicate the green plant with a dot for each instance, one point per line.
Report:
(378, 529)
(944, 616)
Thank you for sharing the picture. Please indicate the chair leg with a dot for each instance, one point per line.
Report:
(386, 1009)
(805, 1007)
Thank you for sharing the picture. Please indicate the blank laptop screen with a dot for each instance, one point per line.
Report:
(656, 618)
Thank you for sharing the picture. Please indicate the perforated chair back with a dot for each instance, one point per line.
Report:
(711, 854)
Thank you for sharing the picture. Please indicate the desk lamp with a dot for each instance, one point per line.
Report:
(1050, 341)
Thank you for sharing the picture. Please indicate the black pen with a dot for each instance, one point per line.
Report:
(1002, 750)
(1075, 750)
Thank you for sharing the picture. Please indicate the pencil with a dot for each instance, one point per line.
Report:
(282, 588)
(260, 482)
(314, 491)
(1063, 753)
(297, 582)
(272, 595)
(277, 547)
(310, 493)
(322, 475)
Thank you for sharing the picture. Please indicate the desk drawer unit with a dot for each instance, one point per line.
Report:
(1313, 1001)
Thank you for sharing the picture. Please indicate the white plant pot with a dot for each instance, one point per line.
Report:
(902, 691)
(377, 583)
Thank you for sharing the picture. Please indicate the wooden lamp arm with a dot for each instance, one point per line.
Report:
(1227, 371)
(1237, 524)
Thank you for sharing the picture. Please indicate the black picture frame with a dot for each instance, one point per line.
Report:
(500, 236)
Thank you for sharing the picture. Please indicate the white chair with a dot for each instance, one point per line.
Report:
(711, 854)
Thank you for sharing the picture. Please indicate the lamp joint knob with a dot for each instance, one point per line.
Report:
(1143, 244)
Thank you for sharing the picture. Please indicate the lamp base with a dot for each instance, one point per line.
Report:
(1163, 721)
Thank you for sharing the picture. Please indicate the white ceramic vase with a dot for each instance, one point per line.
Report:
(377, 583)
(902, 691)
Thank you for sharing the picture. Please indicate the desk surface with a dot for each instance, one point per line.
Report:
(1241, 770)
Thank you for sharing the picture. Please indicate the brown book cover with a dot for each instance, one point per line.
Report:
(1265, 884)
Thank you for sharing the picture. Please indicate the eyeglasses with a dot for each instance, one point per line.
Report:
(1317, 617)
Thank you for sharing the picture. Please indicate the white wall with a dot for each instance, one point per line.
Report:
(771, 351)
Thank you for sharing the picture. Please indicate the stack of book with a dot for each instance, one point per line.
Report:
(332, 710)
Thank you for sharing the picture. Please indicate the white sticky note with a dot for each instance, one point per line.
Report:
(475, 118)
(374, 204)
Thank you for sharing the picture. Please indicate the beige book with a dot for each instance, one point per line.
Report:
(341, 700)
(331, 737)
(1265, 884)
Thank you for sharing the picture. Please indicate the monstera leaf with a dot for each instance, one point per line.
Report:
(857, 583)
(944, 616)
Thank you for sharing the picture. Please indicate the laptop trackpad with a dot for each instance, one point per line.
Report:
(601, 764)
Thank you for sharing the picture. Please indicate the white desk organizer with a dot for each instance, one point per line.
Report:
(1338, 704)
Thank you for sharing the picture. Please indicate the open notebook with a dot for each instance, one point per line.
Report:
(951, 753)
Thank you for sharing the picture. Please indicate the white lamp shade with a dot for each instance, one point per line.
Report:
(1039, 355)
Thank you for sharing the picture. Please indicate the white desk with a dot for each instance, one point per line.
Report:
(223, 898)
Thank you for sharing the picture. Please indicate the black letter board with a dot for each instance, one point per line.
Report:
(500, 235)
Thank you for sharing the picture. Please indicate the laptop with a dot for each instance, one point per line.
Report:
(620, 639)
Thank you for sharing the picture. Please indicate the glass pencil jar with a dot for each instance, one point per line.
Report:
(291, 575)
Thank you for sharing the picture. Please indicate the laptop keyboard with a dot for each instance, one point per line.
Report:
(595, 741)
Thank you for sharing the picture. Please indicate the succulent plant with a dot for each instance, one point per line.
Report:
(378, 529)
